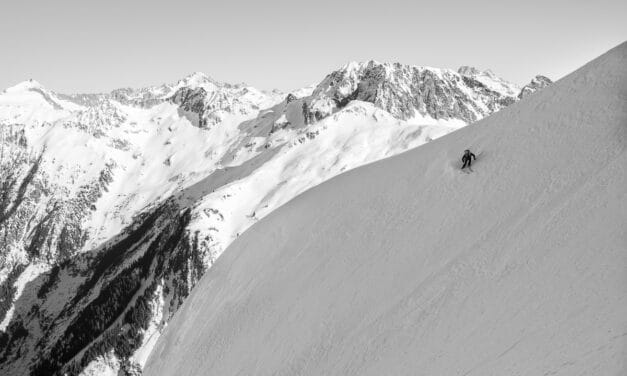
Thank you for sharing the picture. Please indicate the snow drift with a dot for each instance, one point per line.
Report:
(406, 266)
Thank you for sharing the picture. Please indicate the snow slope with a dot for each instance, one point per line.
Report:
(117, 203)
(406, 266)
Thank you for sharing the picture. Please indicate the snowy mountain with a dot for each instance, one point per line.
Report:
(409, 266)
(115, 204)
(408, 92)
(537, 83)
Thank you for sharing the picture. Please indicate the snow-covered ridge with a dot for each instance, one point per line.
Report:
(409, 91)
(409, 266)
(145, 188)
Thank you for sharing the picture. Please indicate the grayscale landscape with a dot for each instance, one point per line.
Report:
(159, 216)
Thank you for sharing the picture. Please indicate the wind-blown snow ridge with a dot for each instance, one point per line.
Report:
(407, 265)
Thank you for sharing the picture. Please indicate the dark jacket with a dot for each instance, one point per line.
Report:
(467, 157)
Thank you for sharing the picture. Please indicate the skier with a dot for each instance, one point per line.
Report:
(467, 159)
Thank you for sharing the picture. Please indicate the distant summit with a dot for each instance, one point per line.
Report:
(25, 85)
(537, 83)
(408, 91)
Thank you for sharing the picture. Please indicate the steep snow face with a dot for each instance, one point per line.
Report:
(117, 203)
(358, 134)
(408, 264)
(410, 91)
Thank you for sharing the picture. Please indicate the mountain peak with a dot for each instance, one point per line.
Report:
(197, 78)
(25, 85)
(537, 83)
(466, 70)
(353, 66)
(394, 87)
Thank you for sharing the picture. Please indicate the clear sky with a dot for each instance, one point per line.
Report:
(92, 46)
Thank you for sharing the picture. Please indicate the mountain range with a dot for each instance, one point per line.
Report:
(408, 266)
(114, 205)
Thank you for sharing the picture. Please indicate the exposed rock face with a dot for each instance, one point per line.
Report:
(34, 216)
(537, 83)
(410, 91)
(113, 205)
(192, 100)
(466, 70)
(213, 101)
(290, 98)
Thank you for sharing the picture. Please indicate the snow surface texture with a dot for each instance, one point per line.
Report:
(226, 154)
(408, 267)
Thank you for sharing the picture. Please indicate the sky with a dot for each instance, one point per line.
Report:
(95, 46)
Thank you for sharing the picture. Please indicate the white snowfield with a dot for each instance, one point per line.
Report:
(409, 267)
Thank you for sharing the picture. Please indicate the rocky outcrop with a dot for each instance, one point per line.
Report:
(192, 100)
(290, 98)
(211, 103)
(537, 83)
(410, 91)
